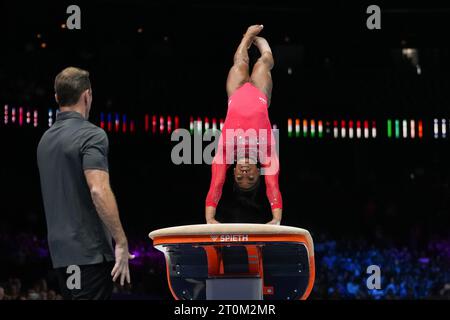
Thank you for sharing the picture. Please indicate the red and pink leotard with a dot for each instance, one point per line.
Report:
(247, 110)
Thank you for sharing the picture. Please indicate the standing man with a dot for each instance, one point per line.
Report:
(80, 207)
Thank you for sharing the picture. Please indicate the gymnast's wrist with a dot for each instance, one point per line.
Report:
(276, 221)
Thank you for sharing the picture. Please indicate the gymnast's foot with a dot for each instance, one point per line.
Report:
(254, 30)
(251, 33)
(262, 45)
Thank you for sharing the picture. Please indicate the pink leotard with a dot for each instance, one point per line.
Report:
(247, 110)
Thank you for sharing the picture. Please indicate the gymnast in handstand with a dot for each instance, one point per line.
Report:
(252, 155)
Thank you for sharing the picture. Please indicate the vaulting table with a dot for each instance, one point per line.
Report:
(237, 261)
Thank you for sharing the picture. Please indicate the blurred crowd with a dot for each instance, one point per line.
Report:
(341, 270)
(12, 289)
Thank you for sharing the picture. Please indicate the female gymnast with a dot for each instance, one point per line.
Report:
(248, 102)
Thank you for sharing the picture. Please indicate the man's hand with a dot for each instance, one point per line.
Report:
(121, 268)
(212, 221)
(274, 221)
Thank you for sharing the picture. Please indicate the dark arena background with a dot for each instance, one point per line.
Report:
(363, 118)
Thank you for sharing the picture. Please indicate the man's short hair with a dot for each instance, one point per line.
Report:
(70, 84)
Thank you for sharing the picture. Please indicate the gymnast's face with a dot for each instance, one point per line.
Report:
(246, 174)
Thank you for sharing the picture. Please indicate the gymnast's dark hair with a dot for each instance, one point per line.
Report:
(247, 198)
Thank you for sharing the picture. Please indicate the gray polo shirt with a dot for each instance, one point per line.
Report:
(76, 234)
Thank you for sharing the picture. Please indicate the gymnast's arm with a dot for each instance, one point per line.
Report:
(273, 189)
(218, 173)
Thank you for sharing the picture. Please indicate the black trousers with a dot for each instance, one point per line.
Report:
(95, 282)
